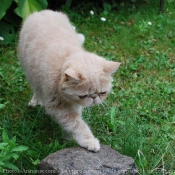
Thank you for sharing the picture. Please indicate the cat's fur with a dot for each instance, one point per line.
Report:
(63, 76)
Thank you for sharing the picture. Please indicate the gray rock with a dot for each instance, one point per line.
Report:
(79, 161)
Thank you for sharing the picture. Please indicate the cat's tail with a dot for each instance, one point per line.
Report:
(81, 38)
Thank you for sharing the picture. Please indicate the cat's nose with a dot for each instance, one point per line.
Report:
(94, 96)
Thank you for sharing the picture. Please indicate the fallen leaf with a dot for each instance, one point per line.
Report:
(110, 29)
(131, 21)
(154, 40)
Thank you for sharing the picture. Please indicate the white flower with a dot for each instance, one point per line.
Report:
(92, 12)
(1, 38)
(150, 23)
(103, 19)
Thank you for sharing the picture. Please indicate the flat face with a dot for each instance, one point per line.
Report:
(93, 90)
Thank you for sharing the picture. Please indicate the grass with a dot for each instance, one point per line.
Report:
(137, 119)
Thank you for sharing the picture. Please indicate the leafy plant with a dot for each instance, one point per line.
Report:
(143, 27)
(67, 5)
(4, 5)
(9, 152)
(27, 7)
(11, 14)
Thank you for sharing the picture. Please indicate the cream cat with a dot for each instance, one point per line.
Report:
(64, 77)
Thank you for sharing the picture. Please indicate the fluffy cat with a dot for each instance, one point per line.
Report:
(64, 77)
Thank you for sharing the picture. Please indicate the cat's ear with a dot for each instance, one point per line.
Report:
(110, 67)
(71, 75)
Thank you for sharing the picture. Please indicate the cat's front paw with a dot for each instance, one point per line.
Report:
(91, 144)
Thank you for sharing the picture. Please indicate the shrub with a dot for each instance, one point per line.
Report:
(12, 12)
(9, 152)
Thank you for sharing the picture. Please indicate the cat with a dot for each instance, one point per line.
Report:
(63, 75)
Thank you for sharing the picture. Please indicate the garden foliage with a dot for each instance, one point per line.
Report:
(11, 14)
(9, 152)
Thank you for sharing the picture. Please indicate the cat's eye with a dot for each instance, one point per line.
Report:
(103, 93)
(82, 96)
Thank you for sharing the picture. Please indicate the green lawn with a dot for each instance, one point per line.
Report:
(137, 119)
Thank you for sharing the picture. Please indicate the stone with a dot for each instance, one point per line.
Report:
(80, 161)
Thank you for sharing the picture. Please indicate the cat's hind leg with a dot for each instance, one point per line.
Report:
(34, 101)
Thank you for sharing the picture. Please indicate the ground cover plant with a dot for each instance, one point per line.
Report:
(137, 119)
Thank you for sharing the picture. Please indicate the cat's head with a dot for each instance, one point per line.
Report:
(87, 81)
